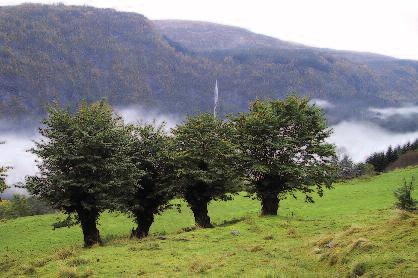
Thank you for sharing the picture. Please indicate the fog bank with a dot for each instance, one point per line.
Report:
(14, 153)
(359, 139)
(405, 111)
(138, 114)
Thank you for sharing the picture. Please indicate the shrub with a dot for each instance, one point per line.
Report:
(20, 206)
(403, 195)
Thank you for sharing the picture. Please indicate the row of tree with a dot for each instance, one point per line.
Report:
(91, 161)
(348, 169)
(381, 160)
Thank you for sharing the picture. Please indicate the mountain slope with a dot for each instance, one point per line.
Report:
(205, 36)
(370, 74)
(68, 53)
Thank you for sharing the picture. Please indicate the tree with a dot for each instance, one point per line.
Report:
(381, 160)
(283, 150)
(3, 185)
(82, 161)
(152, 192)
(347, 168)
(204, 158)
(404, 198)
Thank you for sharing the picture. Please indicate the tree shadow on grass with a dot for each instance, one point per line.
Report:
(233, 221)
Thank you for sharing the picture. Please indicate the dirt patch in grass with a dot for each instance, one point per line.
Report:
(200, 266)
(63, 254)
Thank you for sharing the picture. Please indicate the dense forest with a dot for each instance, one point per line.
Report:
(66, 54)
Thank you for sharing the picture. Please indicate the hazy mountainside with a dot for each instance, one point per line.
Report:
(206, 36)
(203, 36)
(359, 73)
(67, 53)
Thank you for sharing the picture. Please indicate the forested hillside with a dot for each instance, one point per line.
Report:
(67, 53)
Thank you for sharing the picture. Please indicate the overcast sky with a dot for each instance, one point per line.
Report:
(382, 26)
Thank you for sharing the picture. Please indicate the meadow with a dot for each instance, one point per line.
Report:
(354, 230)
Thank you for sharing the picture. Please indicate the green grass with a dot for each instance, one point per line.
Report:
(352, 231)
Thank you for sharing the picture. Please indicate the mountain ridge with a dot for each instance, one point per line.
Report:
(170, 26)
(66, 54)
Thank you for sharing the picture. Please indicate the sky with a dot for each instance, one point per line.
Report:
(388, 27)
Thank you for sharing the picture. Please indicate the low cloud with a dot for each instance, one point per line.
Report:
(360, 139)
(405, 111)
(325, 104)
(138, 114)
(14, 153)
(357, 139)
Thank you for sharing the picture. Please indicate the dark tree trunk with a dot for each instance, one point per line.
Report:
(144, 221)
(200, 212)
(269, 205)
(88, 225)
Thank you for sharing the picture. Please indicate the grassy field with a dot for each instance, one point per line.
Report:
(352, 231)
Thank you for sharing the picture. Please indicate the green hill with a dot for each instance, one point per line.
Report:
(69, 53)
(353, 230)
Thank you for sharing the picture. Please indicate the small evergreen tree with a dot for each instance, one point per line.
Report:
(82, 163)
(283, 150)
(151, 193)
(204, 157)
(403, 195)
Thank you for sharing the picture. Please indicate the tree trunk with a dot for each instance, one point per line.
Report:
(200, 212)
(269, 205)
(88, 225)
(144, 221)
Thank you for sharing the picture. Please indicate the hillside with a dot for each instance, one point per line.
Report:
(405, 160)
(66, 54)
(69, 53)
(205, 36)
(353, 230)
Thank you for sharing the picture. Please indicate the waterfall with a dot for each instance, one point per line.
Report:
(215, 95)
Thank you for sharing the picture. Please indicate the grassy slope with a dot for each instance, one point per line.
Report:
(353, 229)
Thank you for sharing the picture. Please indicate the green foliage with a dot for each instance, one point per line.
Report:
(20, 206)
(381, 160)
(151, 192)
(283, 149)
(204, 158)
(3, 170)
(3, 185)
(404, 198)
(347, 169)
(82, 161)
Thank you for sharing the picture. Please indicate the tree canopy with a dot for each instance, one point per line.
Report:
(3, 185)
(204, 157)
(154, 188)
(283, 150)
(82, 159)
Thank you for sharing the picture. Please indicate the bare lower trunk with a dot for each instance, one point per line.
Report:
(200, 212)
(269, 205)
(88, 225)
(144, 222)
